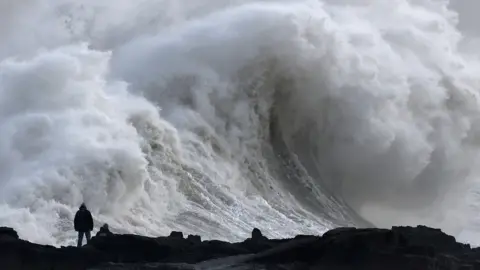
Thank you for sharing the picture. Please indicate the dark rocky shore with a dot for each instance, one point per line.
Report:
(400, 248)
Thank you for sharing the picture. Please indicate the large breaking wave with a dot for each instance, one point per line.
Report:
(214, 117)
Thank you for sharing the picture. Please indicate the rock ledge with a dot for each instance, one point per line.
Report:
(401, 248)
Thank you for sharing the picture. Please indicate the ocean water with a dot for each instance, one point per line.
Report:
(216, 116)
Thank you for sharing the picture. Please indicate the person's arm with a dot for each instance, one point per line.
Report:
(75, 222)
(90, 221)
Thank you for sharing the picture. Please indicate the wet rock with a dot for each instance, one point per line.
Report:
(399, 248)
(257, 235)
(177, 235)
(194, 238)
(402, 248)
(8, 234)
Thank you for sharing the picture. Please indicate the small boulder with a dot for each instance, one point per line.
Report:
(104, 231)
(257, 235)
(194, 238)
(177, 235)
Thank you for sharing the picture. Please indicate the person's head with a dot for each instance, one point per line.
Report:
(105, 226)
(82, 206)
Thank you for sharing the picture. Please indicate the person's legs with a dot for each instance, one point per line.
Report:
(88, 236)
(80, 239)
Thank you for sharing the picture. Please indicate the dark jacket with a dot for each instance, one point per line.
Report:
(83, 221)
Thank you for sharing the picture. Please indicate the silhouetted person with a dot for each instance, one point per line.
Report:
(104, 231)
(83, 224)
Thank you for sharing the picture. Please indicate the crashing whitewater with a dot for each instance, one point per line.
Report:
(214, 117)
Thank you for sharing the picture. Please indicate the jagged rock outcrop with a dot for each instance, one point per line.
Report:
(178, 235)
(194, 238)
(8, 234)
(402, 248)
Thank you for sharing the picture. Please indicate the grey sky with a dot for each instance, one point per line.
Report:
(469, 11)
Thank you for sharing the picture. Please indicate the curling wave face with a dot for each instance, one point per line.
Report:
(215, 117)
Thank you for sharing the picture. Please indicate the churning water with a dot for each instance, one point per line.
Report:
(214, 116)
